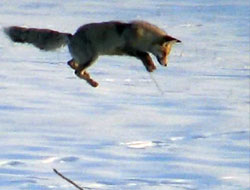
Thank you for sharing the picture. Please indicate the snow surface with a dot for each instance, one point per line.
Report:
(127, 134)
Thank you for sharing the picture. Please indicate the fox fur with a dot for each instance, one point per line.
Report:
(137, 39)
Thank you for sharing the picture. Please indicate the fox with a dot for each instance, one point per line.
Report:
(138, 39)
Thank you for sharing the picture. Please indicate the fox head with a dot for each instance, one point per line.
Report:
(161, 49)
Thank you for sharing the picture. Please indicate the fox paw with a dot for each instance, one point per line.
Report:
(92, 82)
(151, 68)
(86, 76)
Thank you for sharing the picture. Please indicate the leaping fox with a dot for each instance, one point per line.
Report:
(137, 39)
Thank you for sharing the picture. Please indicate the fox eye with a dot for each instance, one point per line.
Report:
(165, 44)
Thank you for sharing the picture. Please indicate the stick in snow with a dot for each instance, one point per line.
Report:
(68, 180)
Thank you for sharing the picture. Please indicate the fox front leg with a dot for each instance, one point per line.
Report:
(146, 60)
(144, 57)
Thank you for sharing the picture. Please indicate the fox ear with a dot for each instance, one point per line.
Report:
(168, 38)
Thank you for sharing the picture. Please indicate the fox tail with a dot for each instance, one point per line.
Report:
(43, 39)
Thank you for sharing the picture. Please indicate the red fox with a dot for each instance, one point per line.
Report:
(137, 39)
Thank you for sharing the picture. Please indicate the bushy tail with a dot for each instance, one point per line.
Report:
(44, 39)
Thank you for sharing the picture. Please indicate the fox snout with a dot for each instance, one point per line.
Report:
(163, 60)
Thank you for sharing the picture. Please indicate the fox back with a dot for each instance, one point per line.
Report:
(110, 37)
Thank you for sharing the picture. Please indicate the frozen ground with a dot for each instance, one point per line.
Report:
(126, 135)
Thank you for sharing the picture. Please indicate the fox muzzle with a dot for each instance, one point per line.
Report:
(162, 60)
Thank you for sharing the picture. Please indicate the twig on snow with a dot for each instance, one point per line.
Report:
(68, 180)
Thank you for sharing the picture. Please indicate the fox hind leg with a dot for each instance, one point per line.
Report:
(73, 64)
(86, 76)
(81, 72)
